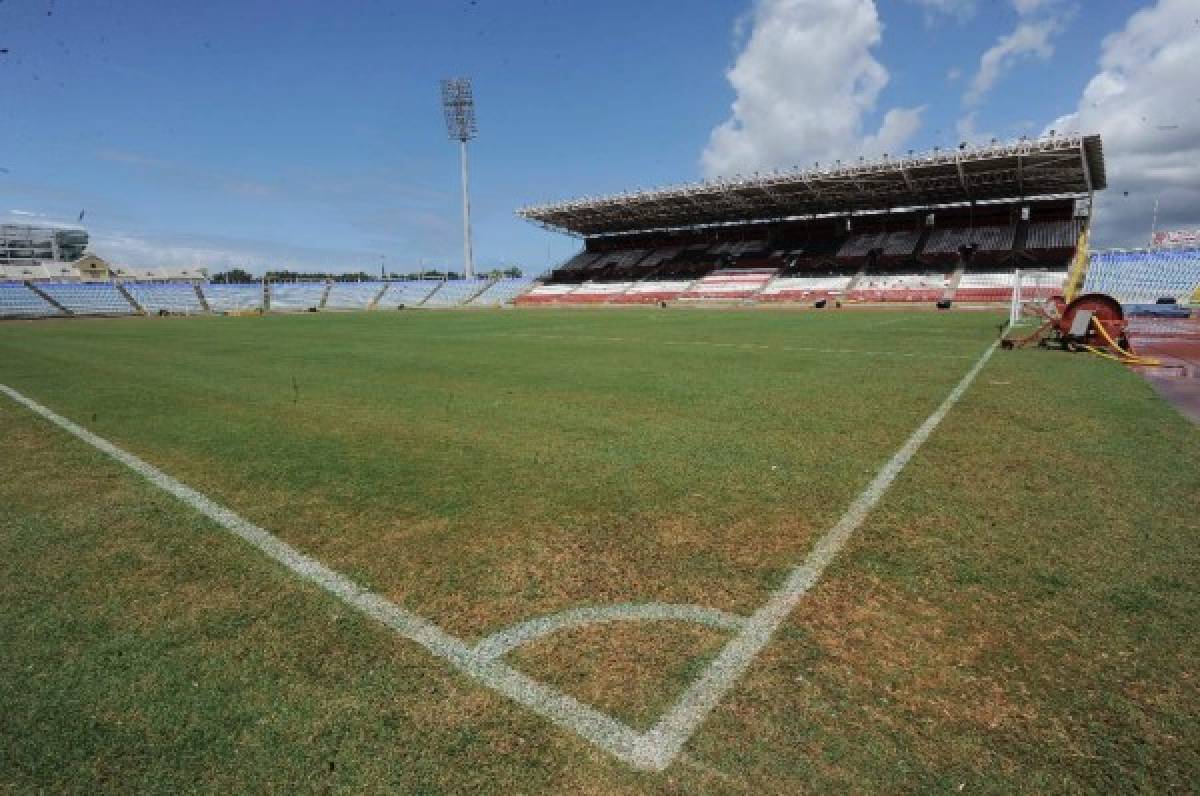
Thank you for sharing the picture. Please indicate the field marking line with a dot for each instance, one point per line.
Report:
(676, 726)
(744, 346)
(504, 641)
(653, 750)
(602, 730)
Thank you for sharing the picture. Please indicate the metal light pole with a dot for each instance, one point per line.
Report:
(458, 105)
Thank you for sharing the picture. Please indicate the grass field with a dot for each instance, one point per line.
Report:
(1018, 613)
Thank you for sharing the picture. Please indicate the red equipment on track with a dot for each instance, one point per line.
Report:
(1092, 320)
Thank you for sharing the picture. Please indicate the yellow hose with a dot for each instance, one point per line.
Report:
(1127, 357)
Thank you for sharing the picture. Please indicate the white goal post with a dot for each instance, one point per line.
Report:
(1031, 286)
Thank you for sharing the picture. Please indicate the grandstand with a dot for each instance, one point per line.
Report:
(41, 297)
(1143, 276)
(894, 230)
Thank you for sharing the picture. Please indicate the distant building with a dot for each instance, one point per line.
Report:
(31, 252)
(23, 244)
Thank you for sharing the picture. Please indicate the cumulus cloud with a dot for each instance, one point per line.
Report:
(806, 82)
(1145, 103)
(1028, 40)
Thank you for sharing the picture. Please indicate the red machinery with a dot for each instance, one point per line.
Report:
(1090, 321)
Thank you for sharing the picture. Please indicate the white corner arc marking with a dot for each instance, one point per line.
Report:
(653, 750)
(505, 641)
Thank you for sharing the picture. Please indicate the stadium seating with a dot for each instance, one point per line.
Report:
(352, 295)
(1144, 276)
(729, 284)
(1050, 235)
(408, 293)
(860, 244)
(18, 301)
(501, 292)
(455, 292)
(804, 288)
(998, 285)
(596, 292)
(173, 297)
(985, 286)
(296, 296)
(233, 298)
(88, 298)
(899, 287)
(652, 291)
(901, 244)
(985, 239)
(546, 294)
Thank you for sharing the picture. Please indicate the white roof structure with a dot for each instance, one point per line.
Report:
(1057, 166)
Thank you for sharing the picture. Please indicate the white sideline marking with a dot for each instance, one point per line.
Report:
(500, 644)
(681, 721)
(653, 750)
(600, 729)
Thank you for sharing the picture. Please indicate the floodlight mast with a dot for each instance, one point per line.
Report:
(458, 105)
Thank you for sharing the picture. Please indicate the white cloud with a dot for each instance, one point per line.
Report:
(1145, 103)
(805, 81)
(1029, 39)
(957, 9)
(220, 253)
(1027, 7)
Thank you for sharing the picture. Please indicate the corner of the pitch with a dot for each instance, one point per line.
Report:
(649, 753)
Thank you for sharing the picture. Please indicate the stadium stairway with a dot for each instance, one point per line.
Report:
(20, 300)
(47, 298)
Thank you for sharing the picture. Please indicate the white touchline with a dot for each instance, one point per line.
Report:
(673, 729)
(653, 750)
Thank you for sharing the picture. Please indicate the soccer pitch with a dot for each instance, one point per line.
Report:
(568, 528)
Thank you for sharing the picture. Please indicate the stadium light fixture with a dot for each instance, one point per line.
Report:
(458, 105)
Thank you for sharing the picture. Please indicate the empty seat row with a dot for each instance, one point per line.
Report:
(18, 301)
(88, 298)
(1144, 276)
(173, 297)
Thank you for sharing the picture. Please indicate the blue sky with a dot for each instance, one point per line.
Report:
(309, 134)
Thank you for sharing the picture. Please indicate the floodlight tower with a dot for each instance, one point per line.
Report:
(458, 104)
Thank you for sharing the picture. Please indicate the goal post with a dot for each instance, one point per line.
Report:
(1032, 286)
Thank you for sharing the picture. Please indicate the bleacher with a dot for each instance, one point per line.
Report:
(18, 301)
(547, 294)
(729, 284)
(859, 245)
(233, 298)
(985, 286)
(1052, 235)
(296, 296)
(596, 292)
(407, 293)
(899, 287)
(454, 292)
(900, 244)
(177, 298)
(88, 298)
(652, 291)
(352, 295)
(502, 292)
(987, 244)
(804, 288)
(1144, 276)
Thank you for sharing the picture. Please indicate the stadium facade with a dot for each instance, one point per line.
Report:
(23, 244)
(945, 224)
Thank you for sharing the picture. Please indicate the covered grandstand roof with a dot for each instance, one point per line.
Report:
(1050, 166)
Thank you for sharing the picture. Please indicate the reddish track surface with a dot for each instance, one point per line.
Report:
(1177, 343)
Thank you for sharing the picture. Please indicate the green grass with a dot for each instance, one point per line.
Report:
(1018, 613)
